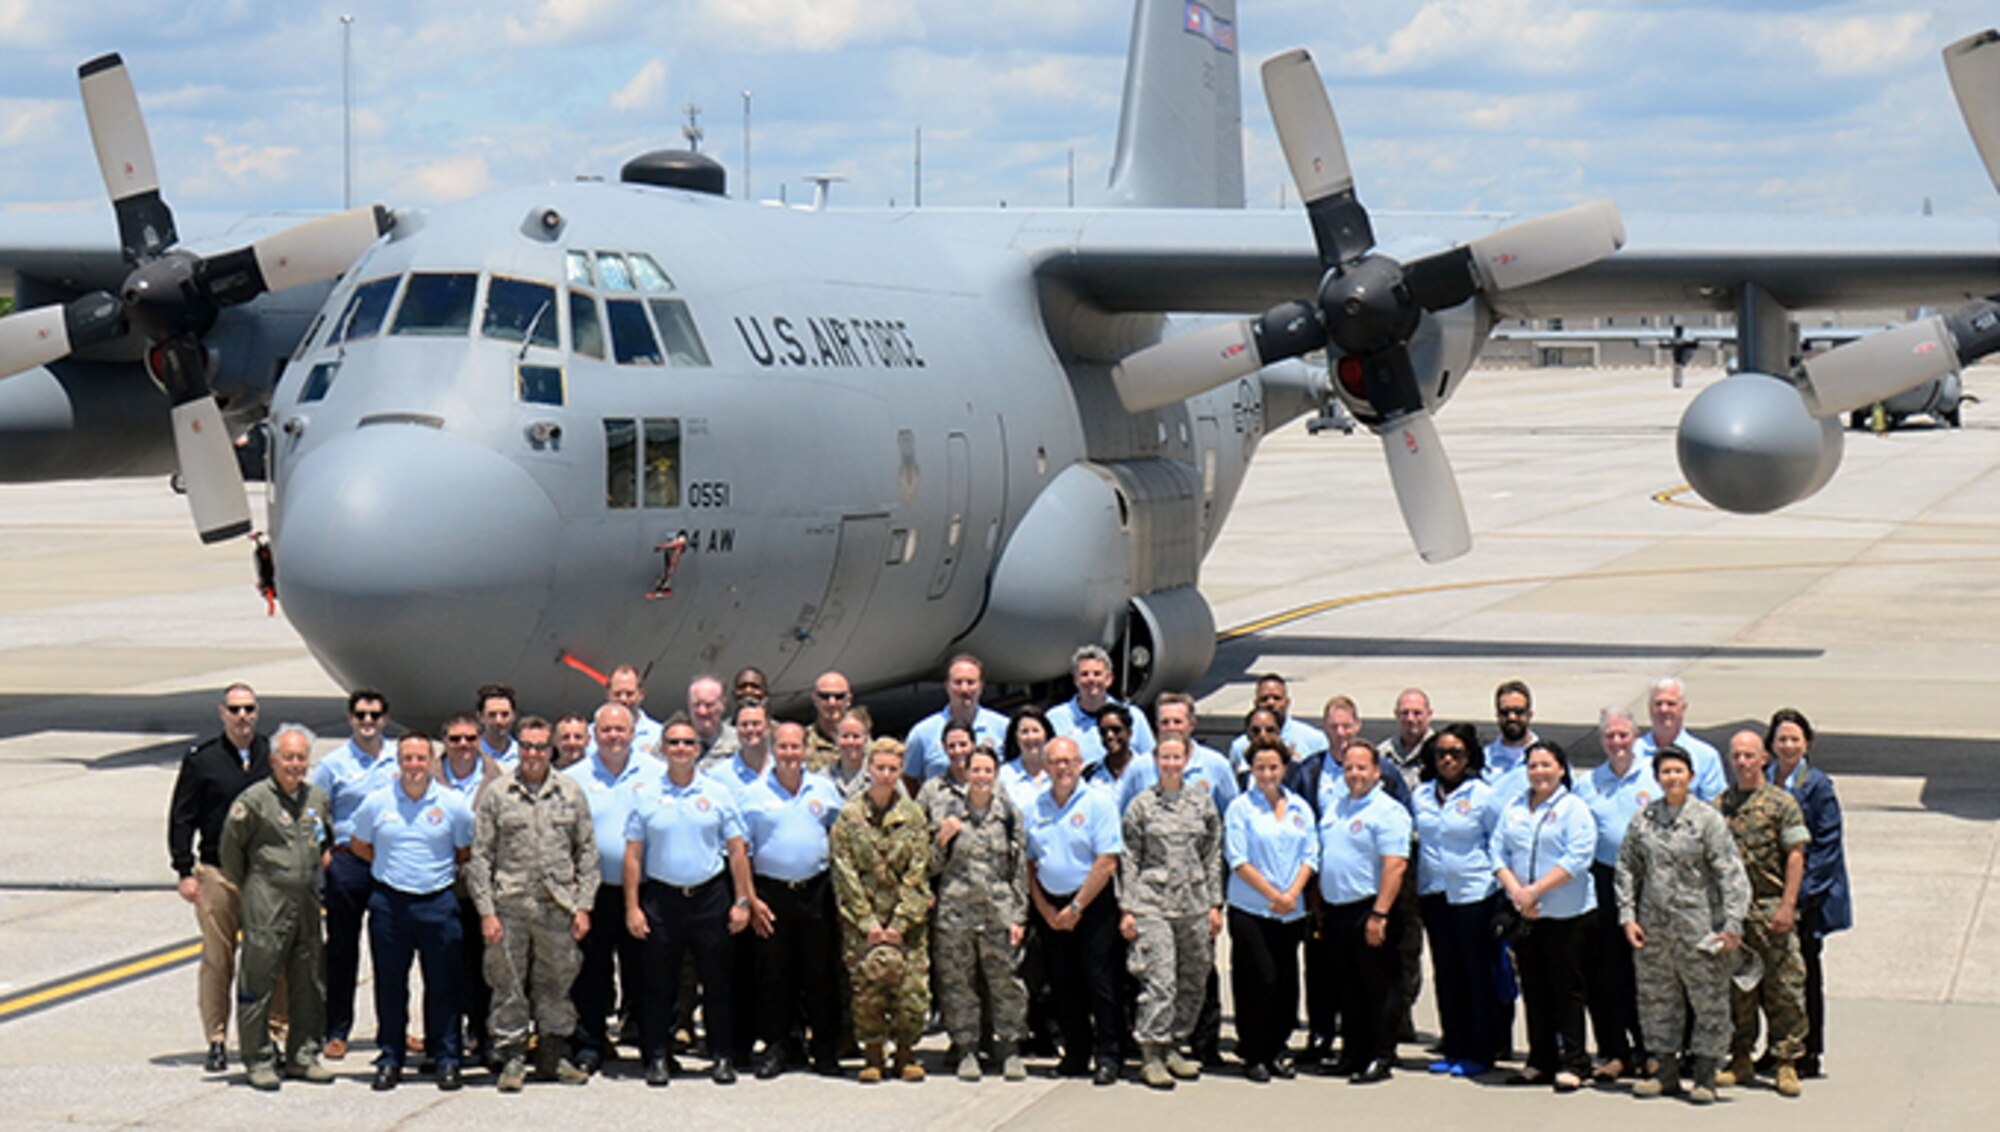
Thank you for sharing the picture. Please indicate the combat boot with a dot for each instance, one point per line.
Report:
(1184, 1067)
(1012, 1068)
(968, 1066)
(1703, 1090)
(513, 1074)
(906, 1064)
(1665, 1083)
(552, 1063)
(264, 1078)
(1740, 1071)
(314, 1071)
(1153, 1068)
(1788, 1080)
(871, 1063)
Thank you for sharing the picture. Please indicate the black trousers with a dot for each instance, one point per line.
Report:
(1463, 954)
(1322, 986)
(1810, 943)
(1613, 984)
(609, 945)
(1084, 964)
(403, 927)
(475, 997)
(1551, 962)
(796, 983)
(349, 884)
(1371, 980)
(680, 921)
(1264, 981)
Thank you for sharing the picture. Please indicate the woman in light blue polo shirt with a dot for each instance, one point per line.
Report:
(1542, 850)
(1364, 854)
(1456, 815)
(1272, 848)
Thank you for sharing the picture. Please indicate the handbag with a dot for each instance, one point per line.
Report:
(1508, 925)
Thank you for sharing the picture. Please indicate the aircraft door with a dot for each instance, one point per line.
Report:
(1208, 455)
(958, 503)
(824, 630)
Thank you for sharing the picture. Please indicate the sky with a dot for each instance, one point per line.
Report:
(1509, 105)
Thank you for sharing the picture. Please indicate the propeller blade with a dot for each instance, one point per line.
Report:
(209, 471)
(37, 337)
(309, 253)
(1426, 490)
(1880, 366)
(1517, 255)
(125, 157)
(1974, 66)
(1186, 365)
(1310, 136)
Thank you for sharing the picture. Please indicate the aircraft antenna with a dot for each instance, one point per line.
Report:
(918, 175)
(347, 112)
(746, 146)
(692, 131)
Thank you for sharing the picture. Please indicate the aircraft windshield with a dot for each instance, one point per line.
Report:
(684, 346)
(518, 310)
(365, 310)
(580, 273)
(437, 304)
(586, 333)
(632, 340)
(647, 274)
(612, 272)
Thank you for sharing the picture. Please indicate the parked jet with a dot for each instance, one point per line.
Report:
(638, 422)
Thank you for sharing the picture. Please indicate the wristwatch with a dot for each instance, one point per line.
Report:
(743, 902)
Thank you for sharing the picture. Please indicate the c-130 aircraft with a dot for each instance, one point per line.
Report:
(638, 422)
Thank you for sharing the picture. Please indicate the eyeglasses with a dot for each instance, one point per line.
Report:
(1113, 728)
(1513, 711)
(366, 716)
(818, 695)
(534, 746)
(679, 743)
(1450, 752)
(240, 709)
(473, 738)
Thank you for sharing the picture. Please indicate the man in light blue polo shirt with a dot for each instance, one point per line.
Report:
(752, 760)
(1666, 703)
(414, 834)
(685, 858)
(347, 775)
(613, 779)
(924, 756)
(1305, 740)
(1074, 842)
(1207, 768)
(627, 691)
(1514, 712)
(1615, 791)
(1076, 718)
(496, 711)
(787, 815)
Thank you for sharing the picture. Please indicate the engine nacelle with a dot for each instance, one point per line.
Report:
(1168, 645)
(1747, 444)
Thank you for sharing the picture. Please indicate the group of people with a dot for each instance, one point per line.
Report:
(1050, 879)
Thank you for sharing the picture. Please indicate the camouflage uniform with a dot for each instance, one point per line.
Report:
(534, 863)
(881, 867)
(1680, 879)
(982, 890)
(1769, 826)
(272, 846)
(821, 752)
(1169, 879)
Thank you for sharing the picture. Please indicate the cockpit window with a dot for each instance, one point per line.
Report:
(586, 333)
(437, 304)
(518, 310)
(612, 273)
(363, 316)
(632, 341)
(580, 274)
(318, 382)
(648, 274)
(684, 346)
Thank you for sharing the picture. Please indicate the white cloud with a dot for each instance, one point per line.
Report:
(813, 25)
(243, 162)
(1518, 35)
(448, 179)
(647, 89)
(1857, 45)
(563, 21)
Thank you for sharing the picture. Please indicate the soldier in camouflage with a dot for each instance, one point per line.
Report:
(1771, 836)
(533, 876)
(881, 870)
(1682, 899)
(980, 866)
(1170, 886)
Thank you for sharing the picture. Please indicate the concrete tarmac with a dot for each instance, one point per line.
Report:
(1871, 607)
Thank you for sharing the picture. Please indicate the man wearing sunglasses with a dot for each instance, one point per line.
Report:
(832, 696)
(212, 775)
(347, 775)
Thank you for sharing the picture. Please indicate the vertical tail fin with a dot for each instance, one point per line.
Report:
(1180, 136)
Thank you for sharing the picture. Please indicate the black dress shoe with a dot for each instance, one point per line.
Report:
(1283, 1069)
(387, 1077)
(1105, 1074)
(1257, 1072)
(723, 1072)
(1376, 1070)
(826, 1065)
(657, 1074)
(769, 1066)
(450, 1079)
(1317, 1050)
(217, 1060)
(1343, 1067)
(1068, 1068)
(1808, 1066)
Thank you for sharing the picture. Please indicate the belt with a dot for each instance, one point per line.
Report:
(343, 850)
(689, 891)
(794, 885)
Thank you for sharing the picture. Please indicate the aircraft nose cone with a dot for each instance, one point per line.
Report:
(414, 561)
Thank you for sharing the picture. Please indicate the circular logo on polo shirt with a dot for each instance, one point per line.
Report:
(1354, 826)
(701, 805)
(1464, 805)
(434, 815)
(1644, 799)
(1298, 820)
(816, 807)
(1076, 820)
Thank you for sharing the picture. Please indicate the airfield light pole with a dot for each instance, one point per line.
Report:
(746, 146)
(1072, 176)
(917, 176)
(347, 111)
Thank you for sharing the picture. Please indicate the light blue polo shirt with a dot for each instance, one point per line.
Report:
(923, 749)
(1207, 768)
(1065, 841)
(736, 774)
(1021, 790)
(509, 758)
(1502, 759)
(1615, 801)
(1711, 781)
(646, 735)
(469, 785)
(1355, 836)
(685, 830)
(347, 776)
(416, 842)
(1072, 722)
(1509, 786)
(612, 797)
(1454, 836)
(787, 832)
(1252, 835)
(1303, 738)
(1561, 834)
